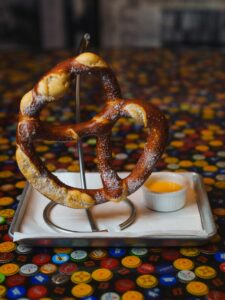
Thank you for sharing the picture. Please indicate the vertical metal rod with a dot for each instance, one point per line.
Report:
(83, 46)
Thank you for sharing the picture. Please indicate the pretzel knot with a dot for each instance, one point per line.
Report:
(53, 86)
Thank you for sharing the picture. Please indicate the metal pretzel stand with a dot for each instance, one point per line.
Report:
(85, 41)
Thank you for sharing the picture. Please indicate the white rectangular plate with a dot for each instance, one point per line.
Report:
(191, 225)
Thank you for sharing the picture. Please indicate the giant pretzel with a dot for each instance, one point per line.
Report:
(53, 86)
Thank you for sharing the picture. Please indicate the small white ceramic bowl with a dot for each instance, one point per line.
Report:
(165, 201)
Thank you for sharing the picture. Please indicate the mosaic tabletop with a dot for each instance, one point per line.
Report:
(189, 87)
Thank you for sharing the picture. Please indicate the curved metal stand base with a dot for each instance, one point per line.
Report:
(130, 220)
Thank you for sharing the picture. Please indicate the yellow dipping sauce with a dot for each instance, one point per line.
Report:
(163, 186)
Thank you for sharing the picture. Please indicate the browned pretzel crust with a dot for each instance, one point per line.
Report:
(54, 85)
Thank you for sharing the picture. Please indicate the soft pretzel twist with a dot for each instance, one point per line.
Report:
(52, 87)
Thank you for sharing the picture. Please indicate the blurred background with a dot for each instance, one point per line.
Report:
(50, 24)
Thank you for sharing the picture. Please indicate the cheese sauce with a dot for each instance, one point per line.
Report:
(163, 186)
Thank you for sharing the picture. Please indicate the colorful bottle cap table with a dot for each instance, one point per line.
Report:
(188, 85)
